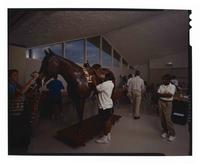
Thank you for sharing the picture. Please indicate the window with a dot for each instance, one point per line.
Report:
(93, 50)
(116, 59)
(125, 64)
(74, 51)
(38, 52)
(29, 53)
(56, 48)
(106, 53)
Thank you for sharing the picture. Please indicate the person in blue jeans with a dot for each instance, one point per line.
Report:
(55, 96)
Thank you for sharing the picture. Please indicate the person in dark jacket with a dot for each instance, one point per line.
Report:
(55, 96)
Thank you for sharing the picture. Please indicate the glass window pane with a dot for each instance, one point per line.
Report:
(125, 64)
(56, 48)
(38, 52)
(106, 53)
(28, 55)
(116, 59)
(74, 51)
(93, 46)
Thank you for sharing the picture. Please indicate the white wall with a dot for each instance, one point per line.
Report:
(119, 71)
(179, 68)
(156, 68)
(17, 60)
(31, 65)
(178, 60)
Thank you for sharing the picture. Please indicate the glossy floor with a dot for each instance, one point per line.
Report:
(128, 136)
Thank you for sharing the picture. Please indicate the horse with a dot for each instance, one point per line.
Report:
(78, 86)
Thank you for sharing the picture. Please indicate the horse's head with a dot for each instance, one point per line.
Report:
(49, 67)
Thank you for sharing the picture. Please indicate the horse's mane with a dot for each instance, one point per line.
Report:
(69, 61)
(44, 61)
(53, 54)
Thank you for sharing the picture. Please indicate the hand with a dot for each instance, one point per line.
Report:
(168, 95)
(35, 75)
(129, 94)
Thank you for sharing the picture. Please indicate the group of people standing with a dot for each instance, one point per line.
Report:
(15, 90)
(136, 88)
(104, 91)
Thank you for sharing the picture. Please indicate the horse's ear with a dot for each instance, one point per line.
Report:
(51, 52)
(46, 51)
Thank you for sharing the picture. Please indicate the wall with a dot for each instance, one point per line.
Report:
(144, 70)
(17, 60)
(179, 68)
(179, 61)
(119, 71)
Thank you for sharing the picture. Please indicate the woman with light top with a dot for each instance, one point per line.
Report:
(166, 92)
(105, 90)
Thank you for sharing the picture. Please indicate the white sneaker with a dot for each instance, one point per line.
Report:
(109, 136)
(164, 135)
(171, 138)
(103, 140)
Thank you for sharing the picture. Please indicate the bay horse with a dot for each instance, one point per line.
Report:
(78, 87)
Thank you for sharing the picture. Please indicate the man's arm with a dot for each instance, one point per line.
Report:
(99, 88)
(28, 84)
(165, 95)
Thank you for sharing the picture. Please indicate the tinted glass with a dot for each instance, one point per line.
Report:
(116, 59)
(93, 50)
(74, 51)
(106, 53)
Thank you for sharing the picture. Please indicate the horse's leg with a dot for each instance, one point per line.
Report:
(80, 110)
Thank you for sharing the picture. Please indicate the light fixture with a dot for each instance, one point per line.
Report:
(169, 64)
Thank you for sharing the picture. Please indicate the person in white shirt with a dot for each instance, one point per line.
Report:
(130, 77)
(136, 88)
(166, 92)
(105, 90)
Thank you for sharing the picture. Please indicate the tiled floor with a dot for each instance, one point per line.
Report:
(128, 136)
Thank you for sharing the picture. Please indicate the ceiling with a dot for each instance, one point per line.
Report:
(137, 34)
